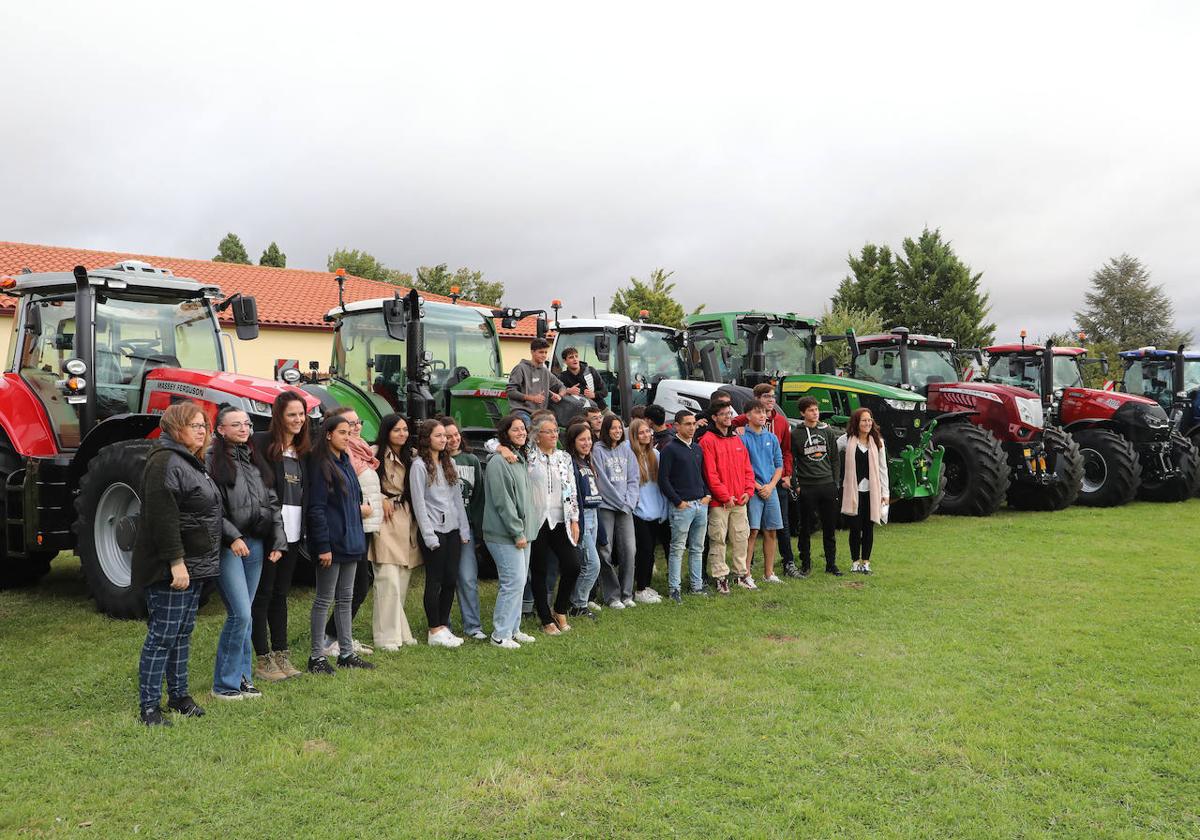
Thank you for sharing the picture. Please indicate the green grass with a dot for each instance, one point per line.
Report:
(1027, 675)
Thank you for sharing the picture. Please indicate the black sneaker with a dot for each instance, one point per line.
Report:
(186, 706)
(700, 590)
(805, 571)
(153, 716)
(790, 570)
(675, 596)
(722, 586)
(320, 665)
(354, 661)
(834, 570)
(248, 689)
(581, 612)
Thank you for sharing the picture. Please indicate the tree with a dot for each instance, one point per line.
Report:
(231, 250)
(656, 296)
(273, 257)
(439, 280)
(358, 263)
(929, 290)
(836, 321)
(1126, 310)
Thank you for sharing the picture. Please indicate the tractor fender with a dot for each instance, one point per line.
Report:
(117, 428)
(955, 416)
(25, 420)
(1082, 425)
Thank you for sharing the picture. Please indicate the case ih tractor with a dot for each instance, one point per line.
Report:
(993, 436)
(1171, 379)
(1127, 443)
(752, 347)
(96, 355)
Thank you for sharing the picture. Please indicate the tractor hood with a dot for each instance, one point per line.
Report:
(802, 383)
(209, 387)
(996, 391)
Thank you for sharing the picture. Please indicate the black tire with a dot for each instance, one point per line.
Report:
(1064, 458)
(975, 467)
(917, 510)
(1111, 471)
(106, 512)
(1183, 486)
(19, 573)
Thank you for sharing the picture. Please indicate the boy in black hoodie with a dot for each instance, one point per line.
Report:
(576, 373)
(816, 474)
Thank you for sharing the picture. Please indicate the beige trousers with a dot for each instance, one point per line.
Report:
(727, 526)
(389, 624)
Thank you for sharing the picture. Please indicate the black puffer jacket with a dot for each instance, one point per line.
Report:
(251, 508)
(181, 517)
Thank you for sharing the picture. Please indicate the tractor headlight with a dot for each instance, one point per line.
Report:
(1030, 411)
(75, 367)
(902, 405)
(260, 407)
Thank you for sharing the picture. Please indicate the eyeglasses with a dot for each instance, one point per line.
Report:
(354, 423)
(199, 427)
(241, 425)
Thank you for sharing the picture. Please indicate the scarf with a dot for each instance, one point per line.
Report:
(362, 455)
(850, 480)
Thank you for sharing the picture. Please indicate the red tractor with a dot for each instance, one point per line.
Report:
(992, 434)
(95, 356)
(1127, 441)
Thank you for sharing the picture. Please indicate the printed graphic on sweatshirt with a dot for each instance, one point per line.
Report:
(615, 467)
(466, 477)
(815, 447)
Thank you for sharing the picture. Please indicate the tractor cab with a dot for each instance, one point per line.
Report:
(1169, 377)
(747, 348)
(1022, 365)
(901, 359)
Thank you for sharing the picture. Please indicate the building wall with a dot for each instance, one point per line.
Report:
(257, 357)
(513, 350)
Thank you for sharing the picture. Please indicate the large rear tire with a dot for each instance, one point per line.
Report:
(1111, 471)
(106, 516)
(975, 467)
(1067, 463)
(1181, 487)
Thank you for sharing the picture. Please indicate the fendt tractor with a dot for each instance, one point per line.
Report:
(748, 348)
(95, 357)
(1172, 379)
(1127, 443)
(995, 444)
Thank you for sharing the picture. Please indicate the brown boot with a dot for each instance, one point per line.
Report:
(266, 670)
(284, 664)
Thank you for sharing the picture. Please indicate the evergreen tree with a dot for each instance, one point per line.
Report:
(231, 250)
(1126, 310)
(656, 296)
(836, 320)
(272, 256)
(357, 263)
(439, 280)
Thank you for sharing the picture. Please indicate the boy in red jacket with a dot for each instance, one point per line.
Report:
(731, 483)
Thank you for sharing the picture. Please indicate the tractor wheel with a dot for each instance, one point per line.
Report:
(975, 467)
(1180, 488)
(1068, 469)
(1111, 471)
(106, 516)
(917, 510)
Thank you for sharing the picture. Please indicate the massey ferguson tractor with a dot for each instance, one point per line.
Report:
(1128, 445)
(993, 436)
(1172, 379)
(96, 356)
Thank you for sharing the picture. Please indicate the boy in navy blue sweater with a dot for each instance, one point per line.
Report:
(681, 479)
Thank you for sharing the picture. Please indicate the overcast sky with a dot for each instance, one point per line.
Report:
(746, 147)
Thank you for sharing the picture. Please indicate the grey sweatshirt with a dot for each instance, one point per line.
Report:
(437, 508)
(617, 476)
(526, 379)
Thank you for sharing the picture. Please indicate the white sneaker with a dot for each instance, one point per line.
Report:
(444, 638)
(616, 605)
(653, 595)
(389, 648)
(593, 606)
(331, 648)
(629, 602)
(866, 567)
(772, 579)
(524, 638)
(507, 644)
(856, 566)
(361, 649)
(747, 582)
(479, 636)
(642, 596)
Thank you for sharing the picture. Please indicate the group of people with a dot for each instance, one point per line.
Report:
(571, 520)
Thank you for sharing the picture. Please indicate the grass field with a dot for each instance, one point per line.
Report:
(1027, 675)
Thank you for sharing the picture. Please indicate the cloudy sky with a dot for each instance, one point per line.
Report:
(746, 147)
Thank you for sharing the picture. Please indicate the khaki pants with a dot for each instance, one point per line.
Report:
(389, 624)
(727, 526)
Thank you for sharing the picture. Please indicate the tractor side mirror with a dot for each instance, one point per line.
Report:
(395, 319)
(852, 343)
(245, 317)
(542, 326)
(873, 357)
(828, 366)
(1104, 364)
(603, 346)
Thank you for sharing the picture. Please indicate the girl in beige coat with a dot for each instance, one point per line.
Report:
(864, 485)
(394, 552)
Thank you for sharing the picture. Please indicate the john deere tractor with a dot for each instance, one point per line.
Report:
(1172, 379)
(747, 348)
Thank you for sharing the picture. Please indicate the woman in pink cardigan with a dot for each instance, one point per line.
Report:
(864, 485)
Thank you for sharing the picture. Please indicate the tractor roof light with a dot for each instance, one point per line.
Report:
(7, 282)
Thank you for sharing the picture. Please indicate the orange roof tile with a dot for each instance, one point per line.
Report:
(287, 297)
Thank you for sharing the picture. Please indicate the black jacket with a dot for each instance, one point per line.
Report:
(570, 380)
(334, 513)
(181, 517)
(251, 507)
(262, 442)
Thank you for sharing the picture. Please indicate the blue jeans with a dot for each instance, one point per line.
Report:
(589, 568)
(168, 641)
(238, 583)
(512, 567)
(688, 528)
(468, 589)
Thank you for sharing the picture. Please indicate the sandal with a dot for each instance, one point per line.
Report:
(551, 629)
(561, 621)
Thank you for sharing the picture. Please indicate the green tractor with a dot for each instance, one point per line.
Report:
(747, 348)
(421, 358)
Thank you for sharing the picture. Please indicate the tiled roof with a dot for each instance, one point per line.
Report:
(287, 297)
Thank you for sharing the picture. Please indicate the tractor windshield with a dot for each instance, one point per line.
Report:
(460, 339)
(1025, 371)
(925, 365)
(1151, 378)
(1066, 373)
(651, 356)
(133, 334)
(1191, 375)
(787, 348)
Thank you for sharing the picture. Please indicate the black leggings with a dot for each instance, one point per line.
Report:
(648, 535)
(441, 577)
(862, 529)
(818, 503)
(553, 541)
(268, 611)
(364, 579)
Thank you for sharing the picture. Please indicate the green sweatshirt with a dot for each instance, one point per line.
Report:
(815, 455)
(508, 512)
(470, 475)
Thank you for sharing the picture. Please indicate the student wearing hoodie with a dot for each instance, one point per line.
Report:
(816, 475)
(617, 474)
(681, 479)
(650, 526)
(531, 385)
(577, 374)
(730, 480)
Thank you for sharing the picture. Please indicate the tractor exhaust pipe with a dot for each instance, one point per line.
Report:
(1048, 375)
(1177, 385)
(901, 334)
(85, 346)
